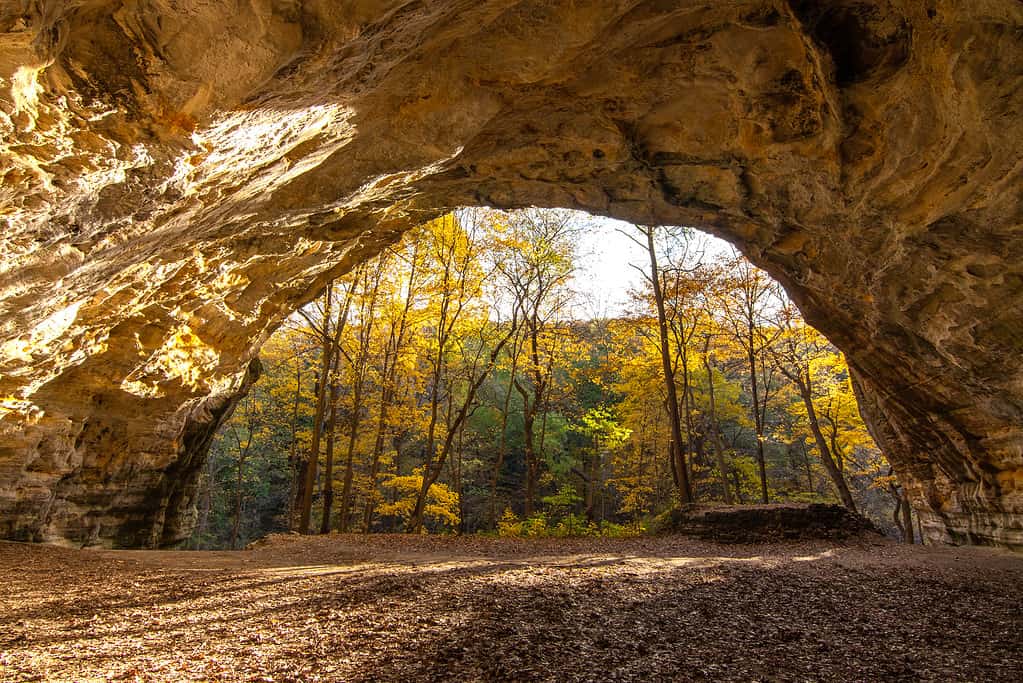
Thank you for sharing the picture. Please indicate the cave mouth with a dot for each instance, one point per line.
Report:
(165, 207)
(571, 292)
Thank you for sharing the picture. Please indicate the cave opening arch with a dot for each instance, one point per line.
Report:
(164, 210)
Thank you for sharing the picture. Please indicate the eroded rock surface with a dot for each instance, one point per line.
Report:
(769, 523)
(178, 176)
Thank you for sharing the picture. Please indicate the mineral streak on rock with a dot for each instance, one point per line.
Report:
(178, 176)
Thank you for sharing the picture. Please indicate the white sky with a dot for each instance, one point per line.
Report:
(604, 275)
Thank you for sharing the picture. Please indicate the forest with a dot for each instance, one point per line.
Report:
(461, 383)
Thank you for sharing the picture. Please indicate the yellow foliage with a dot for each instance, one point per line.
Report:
(441, 501)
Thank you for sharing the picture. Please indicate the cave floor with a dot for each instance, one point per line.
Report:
(378, 608)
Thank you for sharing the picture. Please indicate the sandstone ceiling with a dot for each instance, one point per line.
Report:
(180, 175)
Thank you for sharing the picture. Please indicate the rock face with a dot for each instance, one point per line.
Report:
(769, 523)
(178, 176)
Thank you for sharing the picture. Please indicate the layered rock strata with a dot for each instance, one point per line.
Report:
(179, 176)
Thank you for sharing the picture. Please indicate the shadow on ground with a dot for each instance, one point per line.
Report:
(406, 608)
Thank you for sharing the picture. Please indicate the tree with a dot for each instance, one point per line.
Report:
(902, 515)
(250, 425)
(719, 454)
(514, 350)
(358, 360)
(606, 434)
(398, 324)
(441, 504)
(655, 278)
(459, 375)
(796, 349)
(537, 266)
(328, 333)
(747, 297)
(330, 430)
(461, 280)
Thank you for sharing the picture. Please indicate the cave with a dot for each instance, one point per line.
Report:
(179, 177)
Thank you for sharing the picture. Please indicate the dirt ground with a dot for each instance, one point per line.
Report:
(389, 608)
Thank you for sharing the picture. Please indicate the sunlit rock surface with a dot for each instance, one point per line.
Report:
(178, 176)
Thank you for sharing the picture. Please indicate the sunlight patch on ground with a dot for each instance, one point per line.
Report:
(312, 570)
(813, 558)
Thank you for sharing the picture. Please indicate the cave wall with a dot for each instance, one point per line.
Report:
(179, 176)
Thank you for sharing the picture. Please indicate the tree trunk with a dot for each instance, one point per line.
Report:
(529, 446)
(416, 521)
(353, 436)
(330, 343)
(346, 487)
(836, 452)
(690, 453)
(202, 525)
(809, 471)
(432, 473)
(907, 520)
(531, 469)
(361, 360)
(902, 515)
(738, 487)
(322, 382)
(684, 490)
(297, 471)
(757, 419)
(328, 469)
(458, 480)
(590, 483)
(237, 504)
(374, 468)
(719, 455)
(503, 442)
(829, 463)
(389, 390)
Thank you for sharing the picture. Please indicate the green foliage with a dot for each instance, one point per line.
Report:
(536, 525)
(745, 469)
(573, 525)
(569, 525)
(603, 427)
(565, 499)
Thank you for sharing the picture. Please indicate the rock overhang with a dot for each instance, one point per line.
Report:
(180, 176)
